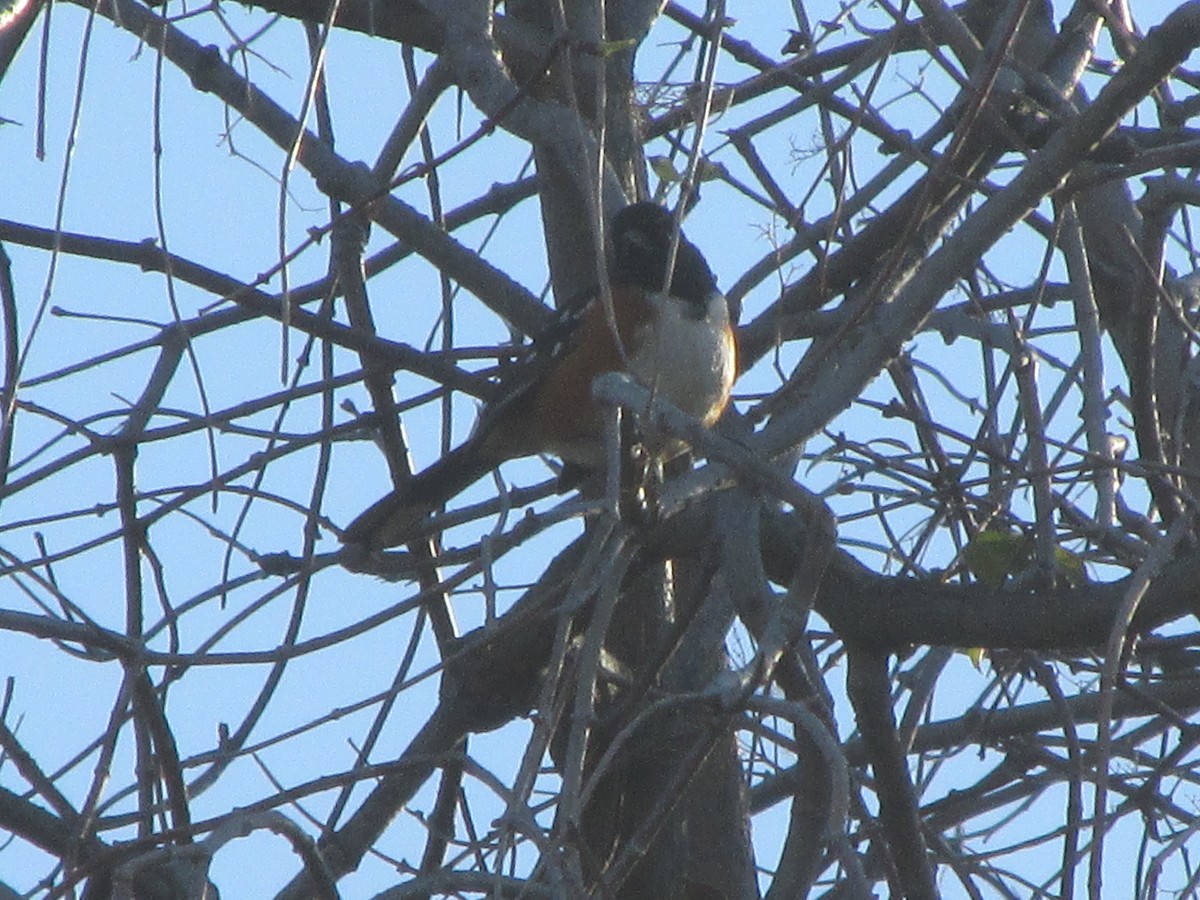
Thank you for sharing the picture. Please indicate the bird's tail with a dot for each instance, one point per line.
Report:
(393, 519)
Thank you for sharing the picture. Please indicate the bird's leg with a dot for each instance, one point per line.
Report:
(640, 483)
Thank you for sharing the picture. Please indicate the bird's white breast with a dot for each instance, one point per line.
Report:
(685, 358)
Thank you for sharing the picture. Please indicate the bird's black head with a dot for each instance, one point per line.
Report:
(641, 236)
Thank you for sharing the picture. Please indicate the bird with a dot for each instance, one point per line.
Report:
(676, 337)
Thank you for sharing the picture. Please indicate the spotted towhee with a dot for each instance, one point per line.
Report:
(676, 338)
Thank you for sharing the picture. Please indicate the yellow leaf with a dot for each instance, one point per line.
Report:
(661, 166)
(608, 48)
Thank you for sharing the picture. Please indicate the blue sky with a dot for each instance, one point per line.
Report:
(220, 202)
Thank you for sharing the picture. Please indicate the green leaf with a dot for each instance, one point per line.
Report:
(992, 556)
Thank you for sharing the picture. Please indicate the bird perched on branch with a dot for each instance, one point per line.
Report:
(675, 337)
